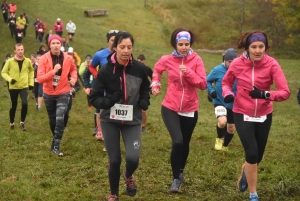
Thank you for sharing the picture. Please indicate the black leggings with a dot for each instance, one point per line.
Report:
(254, 136)
(131, 135)
(181, 129)
(14, 93)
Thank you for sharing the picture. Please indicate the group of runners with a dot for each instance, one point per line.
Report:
(120, 92)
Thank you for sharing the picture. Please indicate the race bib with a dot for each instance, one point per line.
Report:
(12, 21)
(40, 30)
(255, 119)
(3, 11)
(186, 114)
(19, 35)
(58, 26)
(91, 78)
(220, 111)
(121, 112)
(55, 80)
(35, 80)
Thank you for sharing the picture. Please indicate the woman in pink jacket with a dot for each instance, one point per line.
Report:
(179, 110)
(255, 72)
(56, 72)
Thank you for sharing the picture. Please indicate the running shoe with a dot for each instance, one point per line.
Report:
(130, 185)
(112, 198)
(176, 185)
(181, 178)
(12, 126)
(253, 198)
(143, 129)
(218, 144)
(224, 148)
(22, 126)
(39, 109)
(57, 151)
(242, 181)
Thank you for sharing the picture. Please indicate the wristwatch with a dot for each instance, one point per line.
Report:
(267, 95)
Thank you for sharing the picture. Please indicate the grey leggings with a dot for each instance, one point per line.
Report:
(57, 107)
(131, 135)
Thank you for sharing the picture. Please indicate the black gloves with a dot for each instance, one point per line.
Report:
(209, 98)
(257, 93)
(30, 87)
(143, 104)
(213, 94)
(229, 98)
(13, 81)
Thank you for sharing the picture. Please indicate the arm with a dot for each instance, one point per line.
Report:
(197, 77)
(78, 60)
(211, 79)
(82, 69)
(228, 82)
(42, 75)
(159, 68)
(73, 71)
(282, 93)
(94, 63)
(4, 72)
(86, 78)
(144, 92)
(97, 98)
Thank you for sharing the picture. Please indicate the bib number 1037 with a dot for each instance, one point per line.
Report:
(121, 112)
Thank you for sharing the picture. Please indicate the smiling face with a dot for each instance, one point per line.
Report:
(55, 46)
(257, 50)
(183, 47)
(124, 50)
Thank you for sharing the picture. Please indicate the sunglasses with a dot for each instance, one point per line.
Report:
(113, 31)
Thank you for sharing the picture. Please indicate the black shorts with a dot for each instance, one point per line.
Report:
(230, 119)
(72, 34)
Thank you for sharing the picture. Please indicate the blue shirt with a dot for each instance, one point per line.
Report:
(216, 76)
(100, 58)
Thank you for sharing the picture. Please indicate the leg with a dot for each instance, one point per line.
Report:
(24, 98)
(111, 133)
(66, 116)
(14, 93)
(50, 103)
(172, 122)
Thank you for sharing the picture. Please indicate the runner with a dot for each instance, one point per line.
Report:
(223, 111)
(18, 72)
(127, 94)
(186, 74)
(38, 88)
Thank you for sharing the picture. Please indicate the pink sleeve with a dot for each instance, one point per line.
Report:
(283, 92)
(42, 75)
(159, 68)
(197, 77)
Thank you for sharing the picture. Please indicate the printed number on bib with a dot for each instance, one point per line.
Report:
(255, 119)
(220, 111)
(121, 112)
(35, 80)
(19, 35)
(40, 30)
(55, 80)
(3, 11)
(186, 114)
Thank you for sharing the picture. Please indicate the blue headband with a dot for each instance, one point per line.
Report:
(257, 37)
(183, 35)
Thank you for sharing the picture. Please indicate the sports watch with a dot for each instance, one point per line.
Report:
(267, 95)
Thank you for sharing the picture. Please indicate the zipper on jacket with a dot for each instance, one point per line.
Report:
(181, 82)
(124, 89)
(255, 108)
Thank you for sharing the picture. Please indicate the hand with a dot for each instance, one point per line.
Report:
(13, 81)
(143, 104)
(257, 93)
(229, 98)
(155, 91)
(30, 87)
(209, 98)
(182, 68)
(72, 82)
(56, 68)
(213, 94)
(87, 91)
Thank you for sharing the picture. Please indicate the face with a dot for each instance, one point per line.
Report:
(55, 46)
(227, 63)
(64, 39)
(70, 21)
(124, 50)
(37, 59)
(88, 60)
(183, 47)
(257, 50)
(33, 59)
(50, 31)
(111, 42)
(19, 51)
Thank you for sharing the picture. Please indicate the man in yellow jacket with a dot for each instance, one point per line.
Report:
(19, 73)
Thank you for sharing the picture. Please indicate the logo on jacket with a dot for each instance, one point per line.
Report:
(136, 144)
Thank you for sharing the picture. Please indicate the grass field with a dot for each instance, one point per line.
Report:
(30, 172)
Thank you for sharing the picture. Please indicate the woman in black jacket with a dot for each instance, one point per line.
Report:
(121, 90)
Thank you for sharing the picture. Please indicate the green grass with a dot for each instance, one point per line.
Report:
(29, 171)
